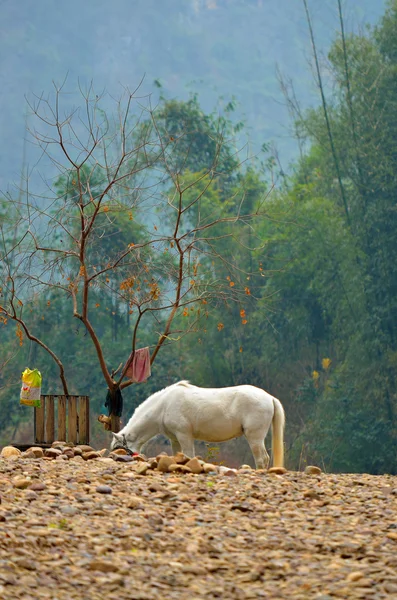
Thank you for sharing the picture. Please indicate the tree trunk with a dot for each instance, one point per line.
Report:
(115, 409)
(114, 423)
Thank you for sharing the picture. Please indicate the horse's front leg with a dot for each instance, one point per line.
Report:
(175, 445)
(186, 443)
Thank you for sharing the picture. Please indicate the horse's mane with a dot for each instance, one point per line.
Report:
(157, 394)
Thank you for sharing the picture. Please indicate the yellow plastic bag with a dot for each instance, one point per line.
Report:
(31, 388)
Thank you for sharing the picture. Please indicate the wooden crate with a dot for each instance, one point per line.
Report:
(73, 422)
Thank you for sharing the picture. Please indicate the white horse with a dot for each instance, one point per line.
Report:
(184, 412)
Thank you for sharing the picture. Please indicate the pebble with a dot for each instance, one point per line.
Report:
(104, 489)
(85, 448)
(194, 465)
(37, 486)
(134, 502)
(30, 496)
(228, 472)
(164, 463)
(311, 494)
(355, 576)
(180, 458)
(21, 483)
(143, 458)
(209, 468)
(105, 567)
(53, 452)
(90, 455)
(119, 452)
(312, 470)
(179, 468)
(28, 454)
(38, 452)
(123, 458)
(69, 510)
(58, 444)
(142, 468)
(277, 470)
(68, 452)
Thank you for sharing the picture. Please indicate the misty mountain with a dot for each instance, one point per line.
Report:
(218, 48)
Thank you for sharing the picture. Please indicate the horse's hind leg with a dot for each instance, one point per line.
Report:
(257, 444)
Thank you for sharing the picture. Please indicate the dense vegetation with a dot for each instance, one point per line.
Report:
(318, 324)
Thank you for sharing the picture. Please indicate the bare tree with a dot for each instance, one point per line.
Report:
(125, 217)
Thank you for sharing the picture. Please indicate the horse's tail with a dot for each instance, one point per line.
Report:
(278, 434)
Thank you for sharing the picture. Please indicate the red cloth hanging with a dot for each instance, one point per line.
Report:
(139, 366)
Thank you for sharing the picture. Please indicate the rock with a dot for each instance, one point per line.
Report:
(52, 452)
(277, 470)
(246, 467)
(134, 502)
(164, 463)
(10, 451)
(104, 566)
(28, 454)
(30, 496)
(104, 452)
(21, 483)
(104, 489)
(210, 468)
(142, 468)
(58, 444)
(141, 458)
(90, 455)
(125, 458)
(120, 451)
(62, 457)
(226, 471)
(85, 448)
(37, 486)
(77, 451)
(160, 455)
(25, 563)
(311, 494)
(38, 452)
(181, 459)
(230, 473)
(194, 465)
(69, 510)
(311, 470)
(179, 469)
(355, 576)
(68, 452)
(242, 506)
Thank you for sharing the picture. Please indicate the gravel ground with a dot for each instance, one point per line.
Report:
(96, 529)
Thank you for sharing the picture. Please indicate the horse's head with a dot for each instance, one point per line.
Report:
(119, 440)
